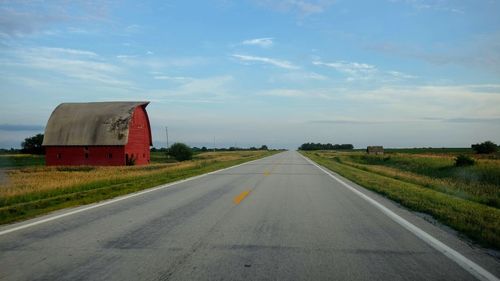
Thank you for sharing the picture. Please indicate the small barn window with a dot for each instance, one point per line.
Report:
(86, 155)
(110, 155)
(58, 156)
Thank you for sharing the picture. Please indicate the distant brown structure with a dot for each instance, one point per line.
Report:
(377, 150)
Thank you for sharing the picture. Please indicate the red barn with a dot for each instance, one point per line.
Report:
(98, 134)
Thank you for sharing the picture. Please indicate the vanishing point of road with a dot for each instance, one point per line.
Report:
(277, 218)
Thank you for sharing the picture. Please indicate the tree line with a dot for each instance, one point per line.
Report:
(325, 146)
(33, 145)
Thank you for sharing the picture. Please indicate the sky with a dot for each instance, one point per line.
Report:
(397, 73)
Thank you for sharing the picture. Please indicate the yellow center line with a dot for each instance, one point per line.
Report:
(237, 200)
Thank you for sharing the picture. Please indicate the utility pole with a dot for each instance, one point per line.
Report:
(166, 132)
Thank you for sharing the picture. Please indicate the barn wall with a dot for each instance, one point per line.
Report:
(75, 155)
(139, 137)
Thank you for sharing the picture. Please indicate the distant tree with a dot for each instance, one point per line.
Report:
(33, 145)
(263, 147)
(327, 146)
(204, 149)
(180, 152)
(153, 149)
(485, 147)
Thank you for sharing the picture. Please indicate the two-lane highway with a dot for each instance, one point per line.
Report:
(278, 218)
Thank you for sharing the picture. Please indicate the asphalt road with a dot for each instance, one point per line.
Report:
(278, 218)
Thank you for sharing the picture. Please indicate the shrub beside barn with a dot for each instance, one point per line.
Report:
(98, 134)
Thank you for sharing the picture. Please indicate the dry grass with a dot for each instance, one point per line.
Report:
(479, 183)
(39, 179)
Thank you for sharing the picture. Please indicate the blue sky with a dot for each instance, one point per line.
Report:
(398, 73)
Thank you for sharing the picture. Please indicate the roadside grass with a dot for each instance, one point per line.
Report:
(33, 191)
(161, 157)
(431, 150)
(468, 204)
(479, 183)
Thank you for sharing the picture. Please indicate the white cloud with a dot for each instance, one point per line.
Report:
(27, 18)
(362, 71)
(401, 75)
(460, 102)
(321, 94)
(437, 5)
(156, 63)
(278, 63)
(261, 42)
(211, 89)
(352, 68)
(297, 77)
(78, 64)
(301, 7)
(350, 121)
(481, 52)
(471, 101)
(173, 78)
(126, 56)
(284, 93)
(65, 51)
(133, 28)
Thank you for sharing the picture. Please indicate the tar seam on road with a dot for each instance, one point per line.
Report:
(473, 268)
(23, 226)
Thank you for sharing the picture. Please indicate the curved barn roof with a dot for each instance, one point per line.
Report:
(93, 123)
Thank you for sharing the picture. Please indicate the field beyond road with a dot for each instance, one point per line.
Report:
(465, 198)
(34, 190)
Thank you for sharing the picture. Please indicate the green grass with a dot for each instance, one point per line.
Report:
(33, 204)
(161, 157)
(431, 150)
(472, 218)
(9, 160)
(21, 160)
(485, 172)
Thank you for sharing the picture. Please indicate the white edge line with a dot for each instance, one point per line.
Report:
(118, 199)
(470, 266)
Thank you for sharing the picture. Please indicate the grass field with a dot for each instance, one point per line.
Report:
(431, 150)
(21, 160)
(464, 198)
(31, 191)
